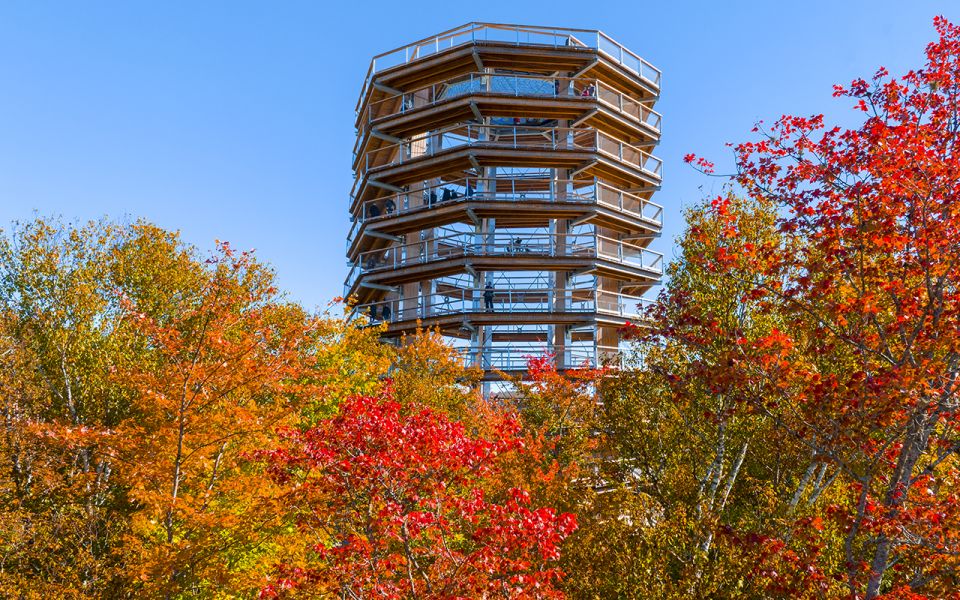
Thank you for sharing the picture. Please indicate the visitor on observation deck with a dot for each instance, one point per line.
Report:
(488, 297)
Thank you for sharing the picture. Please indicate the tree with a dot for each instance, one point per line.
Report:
(64, 509)
(860, 364)
(431, 373)
(389, 502)
(225, 367)
(134, 375)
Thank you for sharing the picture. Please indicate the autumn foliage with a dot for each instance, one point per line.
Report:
(141, 385)
(389, 498)
(857, 361)
(784, 424)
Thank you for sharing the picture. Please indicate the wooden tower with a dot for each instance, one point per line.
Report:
(502, 193)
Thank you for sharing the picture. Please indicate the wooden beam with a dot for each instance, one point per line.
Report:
(387, 89)
(377, 286)
(637, 237)
(476, 111)
(585, 69)
(583, 219)
(476, 59)
(383, 136)
(473, 216)
(473, 162)
(641, 190)
(583, 271)
(584, 118)
(383, 236)
(385, 186)
(573, 174)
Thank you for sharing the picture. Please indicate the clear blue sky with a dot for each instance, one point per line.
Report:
(234, 120)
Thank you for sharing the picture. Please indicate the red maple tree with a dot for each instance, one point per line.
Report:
(389, 502)
(864, 364)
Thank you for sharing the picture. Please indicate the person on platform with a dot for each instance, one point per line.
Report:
(488, 297)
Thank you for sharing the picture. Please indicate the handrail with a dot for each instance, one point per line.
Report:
(429, 195)
(628, 105)
(514, 359)
(647, 210)
(512, 84)
(469, 83)
(518, 35)
(626, 252)
(493, 300)
(499, 299)
(454, 136)
(474, 189)
(352, 276)
(628, 153)
(506, 244)
(516, 136)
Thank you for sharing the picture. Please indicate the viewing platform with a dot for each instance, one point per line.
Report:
(504, 177)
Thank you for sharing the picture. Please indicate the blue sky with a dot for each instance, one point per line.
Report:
(234, 120)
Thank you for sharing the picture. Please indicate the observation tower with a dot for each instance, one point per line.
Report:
(502, 193)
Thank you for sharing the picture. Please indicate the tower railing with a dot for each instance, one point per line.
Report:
(502, 300)
(516, 85)
(512, 137)
(517, 359)
(524, 189)
(518, 35)
(532, 245)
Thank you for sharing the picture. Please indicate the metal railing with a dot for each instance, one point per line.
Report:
(491, 189)
(589, 191)
(456, 136)
(628, 153)
(512, 137)
(471, 83)
(628, 252)
(630, 203)
(502, 300)
(517, 85)
(584, 245)
(518, 35)
(517, 359)
(627, 105)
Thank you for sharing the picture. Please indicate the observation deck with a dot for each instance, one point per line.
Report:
(503, 189)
